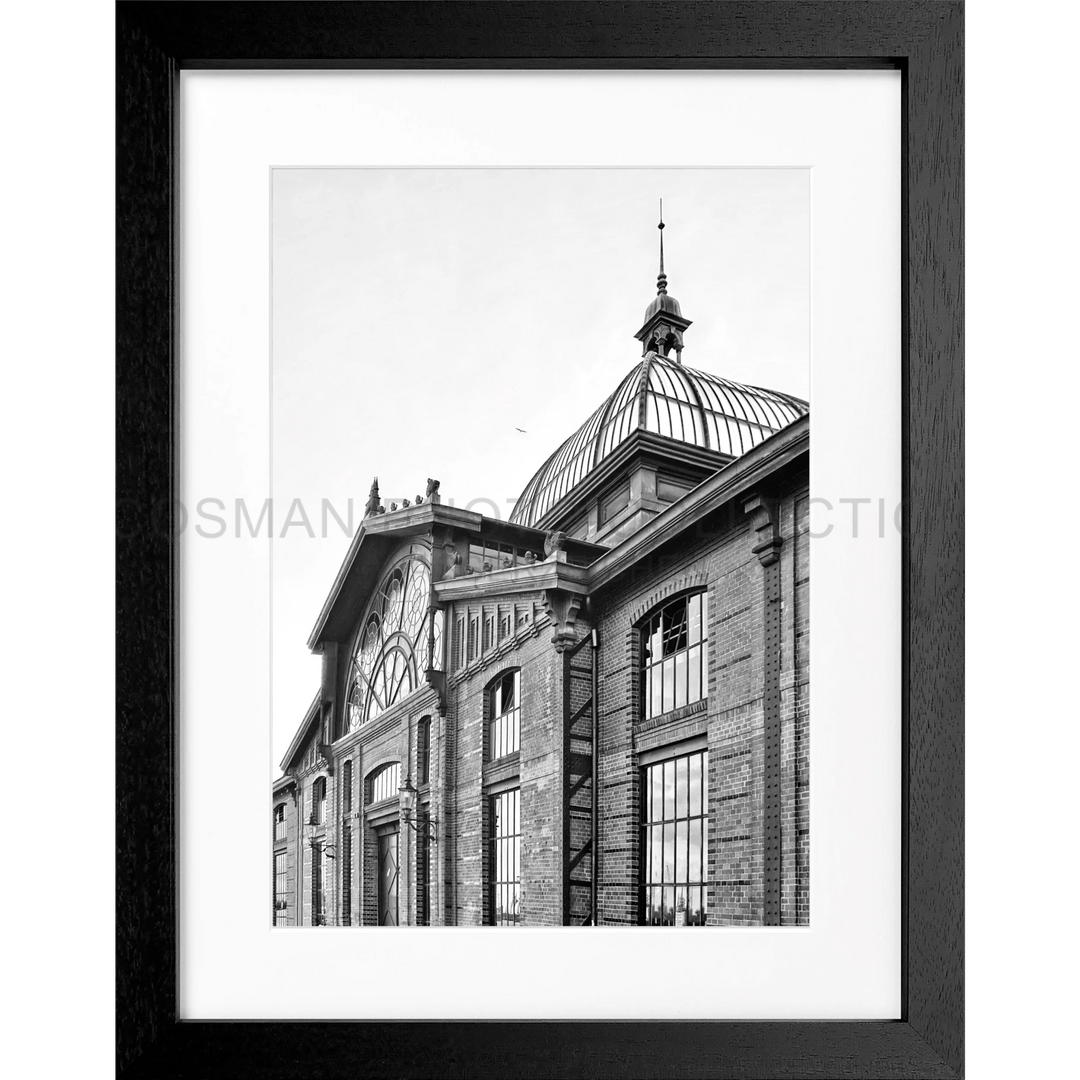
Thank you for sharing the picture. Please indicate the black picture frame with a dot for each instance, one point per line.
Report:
(924, 40)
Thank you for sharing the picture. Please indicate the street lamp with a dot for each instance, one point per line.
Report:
(321, 845)
(407, 795)
(315, 842)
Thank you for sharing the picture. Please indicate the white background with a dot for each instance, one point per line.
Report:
(846, 127)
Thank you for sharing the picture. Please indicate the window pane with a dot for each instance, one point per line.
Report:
(695, 785)
(696, 913)
(694, 691)
(680, 851)
(669, 684)
(674, 627)
(669, 790)
(680, 680)
(656, 640)
(694, 605)
(694, 858)
(656, 685)
(681, 770)
(669, 852)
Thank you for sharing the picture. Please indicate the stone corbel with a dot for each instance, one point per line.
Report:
(765, 521)
(562, 608)
(293, 787)
(327, 756)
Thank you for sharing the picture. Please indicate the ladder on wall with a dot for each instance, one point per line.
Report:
(580, 730)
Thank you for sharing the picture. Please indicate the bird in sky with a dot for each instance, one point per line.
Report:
(522, 430)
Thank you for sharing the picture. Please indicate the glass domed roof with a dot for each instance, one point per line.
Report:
(662, 396)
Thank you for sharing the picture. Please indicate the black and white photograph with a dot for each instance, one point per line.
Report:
(464, 516)
(540, 575)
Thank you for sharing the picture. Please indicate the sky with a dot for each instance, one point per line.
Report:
(420, 317)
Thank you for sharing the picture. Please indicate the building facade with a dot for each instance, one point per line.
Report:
(595, 713)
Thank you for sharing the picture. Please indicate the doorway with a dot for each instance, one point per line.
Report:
(388, 878)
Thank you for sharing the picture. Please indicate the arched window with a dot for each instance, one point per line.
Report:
(504, 715)
(423, 750)
(384, 783)
(390, 653)
(346, 786)
(279, 822)
(318, 801)
(675, 655)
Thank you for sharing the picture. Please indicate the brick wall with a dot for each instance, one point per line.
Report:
(527, 646)
(716, 555)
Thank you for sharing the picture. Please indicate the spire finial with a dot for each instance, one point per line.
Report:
(661, 278)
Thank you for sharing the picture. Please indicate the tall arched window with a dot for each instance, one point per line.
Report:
(318, 801)
(346, 842)
(675, 655)
(504, 715)
(390, 653)
(423, 750)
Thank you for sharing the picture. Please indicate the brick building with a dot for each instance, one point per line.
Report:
(596, 712)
